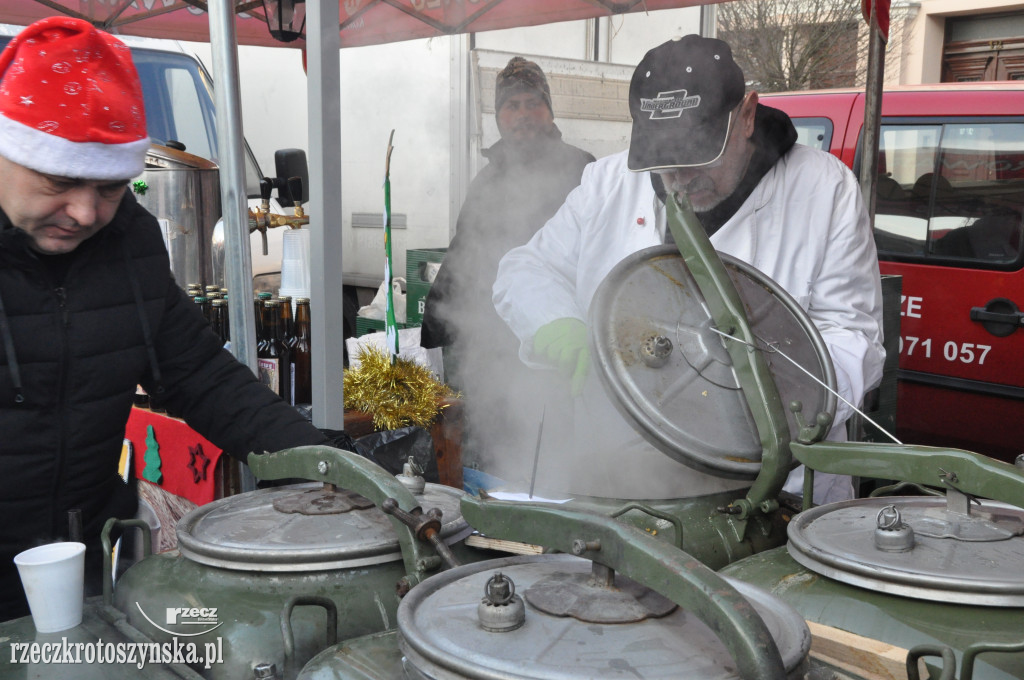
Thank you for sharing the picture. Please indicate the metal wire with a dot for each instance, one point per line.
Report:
(770, 348)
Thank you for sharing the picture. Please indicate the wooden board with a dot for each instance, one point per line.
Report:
(476, 540)
(863, 657)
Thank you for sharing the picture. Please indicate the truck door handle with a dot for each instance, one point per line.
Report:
(1000, 317)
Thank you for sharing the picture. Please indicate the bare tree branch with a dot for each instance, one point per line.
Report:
(800, 44)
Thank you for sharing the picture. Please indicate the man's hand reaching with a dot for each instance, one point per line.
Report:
(563, 342)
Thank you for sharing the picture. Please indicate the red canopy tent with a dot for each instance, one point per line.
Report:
(362, 22)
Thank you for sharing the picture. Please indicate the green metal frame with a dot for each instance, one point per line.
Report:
(966, 471)
(759, 389)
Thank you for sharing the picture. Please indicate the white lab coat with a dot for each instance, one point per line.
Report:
(804, 225)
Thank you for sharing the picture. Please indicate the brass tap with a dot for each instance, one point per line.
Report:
(260, 220)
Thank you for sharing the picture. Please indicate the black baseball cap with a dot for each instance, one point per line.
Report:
(682, 97)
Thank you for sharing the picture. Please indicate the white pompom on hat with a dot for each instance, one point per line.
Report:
(71, 102)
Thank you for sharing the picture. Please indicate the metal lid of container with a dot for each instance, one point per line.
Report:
(169, 158)
(659, 355)
(954, 549)
(445, 632)
(304, 527)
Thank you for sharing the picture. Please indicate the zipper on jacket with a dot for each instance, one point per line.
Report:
(57, 527)
(62, 305)
(58, 521)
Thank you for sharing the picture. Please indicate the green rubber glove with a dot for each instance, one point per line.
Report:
(563, 342)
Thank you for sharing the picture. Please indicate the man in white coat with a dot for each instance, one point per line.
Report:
(793, 212)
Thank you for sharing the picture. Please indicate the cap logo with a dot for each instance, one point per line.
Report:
(669, 104)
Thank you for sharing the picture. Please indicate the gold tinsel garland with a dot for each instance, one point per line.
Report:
(396, 395)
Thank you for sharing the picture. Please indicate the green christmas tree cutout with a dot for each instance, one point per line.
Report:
(152, 472)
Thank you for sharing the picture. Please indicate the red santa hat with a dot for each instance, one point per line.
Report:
(71, 102)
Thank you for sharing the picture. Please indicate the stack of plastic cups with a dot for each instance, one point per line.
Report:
(295, 264)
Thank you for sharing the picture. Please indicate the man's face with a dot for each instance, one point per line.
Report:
(57, 213)
(708, 185)
(524, 117)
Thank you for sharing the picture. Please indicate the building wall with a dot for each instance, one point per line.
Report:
(924, 37)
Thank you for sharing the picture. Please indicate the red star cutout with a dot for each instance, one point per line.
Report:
(197, 463)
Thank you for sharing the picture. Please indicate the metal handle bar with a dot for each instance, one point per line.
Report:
(948, 661)
(108, 559)
(676, 523)
(286, 626)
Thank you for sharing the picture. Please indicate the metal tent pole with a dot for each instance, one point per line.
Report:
(237, 258)
(323, 43)
(872, 112)
(709, 21)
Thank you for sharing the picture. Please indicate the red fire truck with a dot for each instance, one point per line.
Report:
(950, 201)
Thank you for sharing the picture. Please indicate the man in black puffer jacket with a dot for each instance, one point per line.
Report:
(88, 307)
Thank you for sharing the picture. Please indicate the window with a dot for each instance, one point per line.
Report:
(952, 191)
(814, 132)
(179, 105)
(187, 111)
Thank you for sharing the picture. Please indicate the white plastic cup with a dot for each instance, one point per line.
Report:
(53, 577)
(295, 266)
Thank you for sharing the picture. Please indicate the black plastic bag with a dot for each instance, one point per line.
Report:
(391, 449)
(339, 439)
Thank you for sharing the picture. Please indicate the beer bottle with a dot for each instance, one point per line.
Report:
(272, 356)
(287, 324)
(261, 326)
(219, 319)
(203, 304)
(302, 378)
(258, 303)
(211, 289)
(227, 322)
(193, 290)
